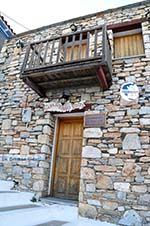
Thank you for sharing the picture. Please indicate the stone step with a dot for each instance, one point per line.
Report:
(51, 200)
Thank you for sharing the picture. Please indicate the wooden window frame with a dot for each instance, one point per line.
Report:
(127, 32)
(127, 29)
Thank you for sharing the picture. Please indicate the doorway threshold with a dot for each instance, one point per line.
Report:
(52, 200)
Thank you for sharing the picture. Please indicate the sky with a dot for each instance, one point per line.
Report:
(37, 13)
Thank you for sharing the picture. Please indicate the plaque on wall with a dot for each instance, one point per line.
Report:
(95, 120)
(129, 92)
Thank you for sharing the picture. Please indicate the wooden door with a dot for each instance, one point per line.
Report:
(68, 159)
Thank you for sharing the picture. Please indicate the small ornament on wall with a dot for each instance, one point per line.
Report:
(129, 93)
(56, 106)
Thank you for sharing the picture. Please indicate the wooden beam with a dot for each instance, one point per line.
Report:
(88, 45)
(95, 43)
(104, 43)
(25, 60)
(45, 52)
(125, 24)
(80, 45)
(127, 32)
(59, 50)
(52, 83)
(77, 42)
(34, 86)
(72, 47)
(65, 48)
(102, 78)
(52, 50)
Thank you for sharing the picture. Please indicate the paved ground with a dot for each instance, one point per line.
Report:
(17, 209)
(53, 223)
(12, 208)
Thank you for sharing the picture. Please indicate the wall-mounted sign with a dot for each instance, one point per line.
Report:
(67, 107)
(2, 76)
(129, 92)
(9, 157)
(26, 115)
(95, 120)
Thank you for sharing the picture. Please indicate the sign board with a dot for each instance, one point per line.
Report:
(26, 115)
(95, 120)
(129, 92)
(67, 107)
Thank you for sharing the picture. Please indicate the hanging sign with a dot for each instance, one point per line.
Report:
(129, 92)
(67, 107)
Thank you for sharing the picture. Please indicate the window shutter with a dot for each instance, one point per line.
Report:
(129, 45)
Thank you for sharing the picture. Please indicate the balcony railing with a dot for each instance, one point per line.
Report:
(74, 58)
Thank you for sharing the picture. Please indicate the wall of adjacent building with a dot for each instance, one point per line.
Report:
(115, 170)
(5, 31)
(2, 39)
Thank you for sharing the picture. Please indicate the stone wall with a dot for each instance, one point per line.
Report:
(115, 170)
(25, 148)
(115, 160)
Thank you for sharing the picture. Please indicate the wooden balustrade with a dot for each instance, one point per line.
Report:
(67, 58)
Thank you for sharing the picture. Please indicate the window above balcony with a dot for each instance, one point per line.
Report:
(128, 41)
(78, 59)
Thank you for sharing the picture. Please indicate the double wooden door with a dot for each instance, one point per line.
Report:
(68, 159)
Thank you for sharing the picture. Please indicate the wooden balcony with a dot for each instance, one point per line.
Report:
(78, 59)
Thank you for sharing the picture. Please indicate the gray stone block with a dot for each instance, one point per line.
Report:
(131, 141)
(131, 218)
(144, 111)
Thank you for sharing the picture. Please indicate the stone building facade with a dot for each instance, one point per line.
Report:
(115, 158)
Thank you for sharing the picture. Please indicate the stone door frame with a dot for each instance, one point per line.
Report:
(52, 168)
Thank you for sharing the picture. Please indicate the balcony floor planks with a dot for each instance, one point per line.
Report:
(68, 82)
(63, 67)
(65, 75)
(68, 76)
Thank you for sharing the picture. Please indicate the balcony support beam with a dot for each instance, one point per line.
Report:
(33, 86)
(102, 78)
